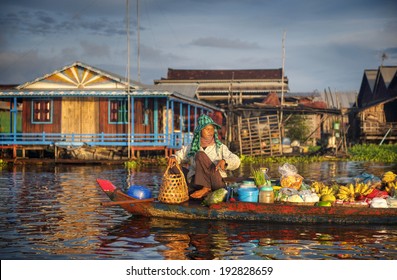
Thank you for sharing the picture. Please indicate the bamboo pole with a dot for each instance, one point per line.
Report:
(128, 83)
(282, 90)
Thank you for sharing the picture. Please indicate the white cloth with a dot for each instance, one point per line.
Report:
(231, 159)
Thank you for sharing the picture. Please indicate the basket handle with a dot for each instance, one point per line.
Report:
(177, 166)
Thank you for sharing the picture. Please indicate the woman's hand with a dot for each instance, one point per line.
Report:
(221, 165)
(172, 161)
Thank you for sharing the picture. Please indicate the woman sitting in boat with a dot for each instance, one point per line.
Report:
(208, 159)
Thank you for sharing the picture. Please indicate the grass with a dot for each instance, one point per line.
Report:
(372, 152)
(366, 152)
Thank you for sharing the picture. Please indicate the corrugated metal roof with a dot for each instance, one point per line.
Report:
(332, 99)
(340, 99)
(19, 93)
(188, 90)
(223, 74)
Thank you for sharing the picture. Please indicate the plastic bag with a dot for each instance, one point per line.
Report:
(369, 179)
(378, 202)
(290, 177)
(284, 193)
(308, 195)
(215, 197)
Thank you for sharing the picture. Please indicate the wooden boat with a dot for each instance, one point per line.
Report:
(250, 211)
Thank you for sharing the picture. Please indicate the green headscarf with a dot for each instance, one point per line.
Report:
(203, 121)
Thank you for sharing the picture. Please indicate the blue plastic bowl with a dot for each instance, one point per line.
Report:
(248, 194)
(139, 192)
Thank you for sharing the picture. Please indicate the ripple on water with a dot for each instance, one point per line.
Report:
(55, 213)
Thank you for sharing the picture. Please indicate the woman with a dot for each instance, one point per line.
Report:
(208, 159)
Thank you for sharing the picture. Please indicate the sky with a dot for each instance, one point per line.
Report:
(327, 43)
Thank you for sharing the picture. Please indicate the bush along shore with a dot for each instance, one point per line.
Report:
(366, 152)
(370, 153)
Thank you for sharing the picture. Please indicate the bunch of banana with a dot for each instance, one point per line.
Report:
(316, 187)
(346, 193)
(352, 192)
(391, 188)
(326, 190)
(321, 189)
(388, 177)
(362, 189)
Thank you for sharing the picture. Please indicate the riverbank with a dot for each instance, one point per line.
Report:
(370, 153)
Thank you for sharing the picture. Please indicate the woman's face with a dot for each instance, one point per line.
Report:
(208, 131)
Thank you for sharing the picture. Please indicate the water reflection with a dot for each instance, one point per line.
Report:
(181, 240)
(54, 212)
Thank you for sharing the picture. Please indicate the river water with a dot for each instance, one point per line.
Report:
(54, 212)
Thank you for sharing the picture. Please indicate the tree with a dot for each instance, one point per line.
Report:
(296, 128)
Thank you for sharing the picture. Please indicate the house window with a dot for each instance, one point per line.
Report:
(118, 111)
(42, 111)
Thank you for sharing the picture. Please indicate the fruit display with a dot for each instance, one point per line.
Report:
(391, 188)
(321, 189)
(388, 177)
(355, 192)
(359, 191)
(389, 183)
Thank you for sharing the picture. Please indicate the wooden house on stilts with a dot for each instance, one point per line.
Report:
(374, 118)
(83, 112)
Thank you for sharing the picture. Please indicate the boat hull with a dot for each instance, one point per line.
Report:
(249, 211)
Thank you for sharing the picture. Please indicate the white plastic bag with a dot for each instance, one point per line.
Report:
(290, 177)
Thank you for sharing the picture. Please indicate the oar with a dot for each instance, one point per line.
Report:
(130, 201)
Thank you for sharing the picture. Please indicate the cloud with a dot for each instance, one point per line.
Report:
(44, 22)
(223, 43)
(391, 55)
(21, 67)
(94, 50)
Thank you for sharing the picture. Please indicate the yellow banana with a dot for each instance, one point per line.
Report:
(367, 192)
(365, 188)
(344, 189)
(357, 188)
(389, 176)
(351, 188)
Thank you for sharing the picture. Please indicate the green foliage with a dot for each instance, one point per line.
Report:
(369, 152)
(2, 164)
(297, 128)
(282, 159)
(313, 149)
(259, 177)
(131, 164)
(373, 152)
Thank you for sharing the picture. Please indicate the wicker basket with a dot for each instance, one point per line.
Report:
(174, 189)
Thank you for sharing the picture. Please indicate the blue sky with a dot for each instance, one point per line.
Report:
(329, 43)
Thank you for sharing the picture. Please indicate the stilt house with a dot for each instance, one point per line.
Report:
(374, 118)
(84, 112)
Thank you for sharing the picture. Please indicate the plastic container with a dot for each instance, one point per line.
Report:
(266, 195)
(248, 194)
(247, 185)
(139, 192)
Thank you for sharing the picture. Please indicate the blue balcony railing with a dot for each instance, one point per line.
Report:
(173, 140)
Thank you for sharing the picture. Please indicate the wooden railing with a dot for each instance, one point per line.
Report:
(372, 130)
